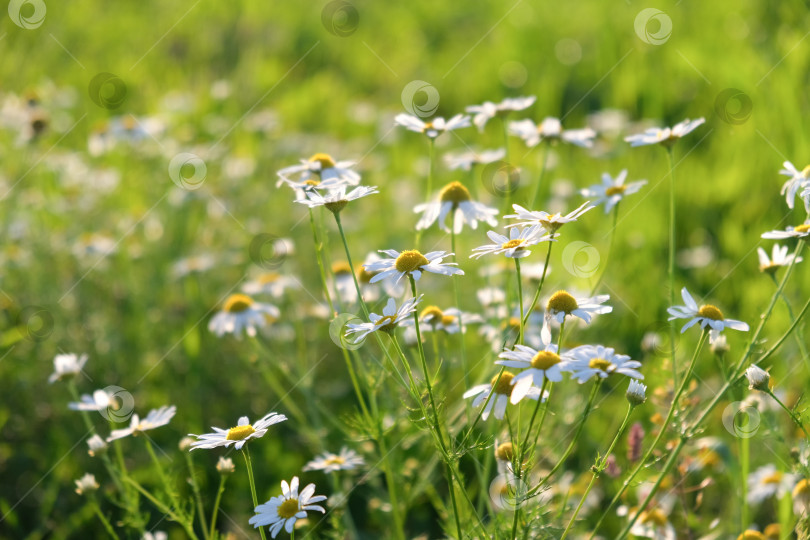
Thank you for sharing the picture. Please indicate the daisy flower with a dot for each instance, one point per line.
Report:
(779, 258)
(241, 312)
(225, 466)
(707, 315)
(562, 304)
(551, 129)
(328, 462)
(596, 360)
(283, 511)
(766, 482)
(515, 245)
(537, 366)
(317, 169)
(488, 110)
(390, 319)
(757, 377)
(155, 419)
(370, 291)
(411, 263)
(455, 199)
(665, 136)
(800, 231)
(96, 445)
(270, 283)
(434, 127)
(636, 393)
(611, 190)
(100, 400)
(336, 199)
(192, 265)
(798, 180)
(466, 160)
(447, 320)
(238, 435)
(86, 484)
(66, 365)
(654, 523)
(801, 497)
(550, 221)
(501, 389)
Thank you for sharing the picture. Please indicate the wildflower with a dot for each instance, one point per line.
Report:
(550, 222)
(411, 263)
(270, 283)
(192, 265)
(636, 394)
(447, 320)
(284, 510)
(707, 315)
(155, 419)
(238, 435)
(65, 365)
(320, 168)
(798, 180)
(241, 312)
(86, 484)
(466, 160)
(501, 390)
(336, 199)
(751, 534)
(96, 445)
(635, 438)
(539, 364)
(488, 110)
(390, 319)
(665, 136)
(455, 199)
(157, 535)
(225, 466)
(596, 360)
(328, 462)
(434, 127)
(612, 190)
(515, 245)
(800, 231)
(779, 258)
(719, 346)
(561, 304)
(551, 129)
(100, 400)
(766, 482)
(757, 377)
(801, 497)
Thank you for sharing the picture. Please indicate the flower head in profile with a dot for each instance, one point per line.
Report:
(86, 484)
(598, 361)
(551, 222)
(155, 419)
(636, 393)
(466, 160)
(612, 190)
(391, 318)
(501, 389)
(489, 110)
(798, 180)
(237, 435)
(96, 445)
(667, 136)
(433, 128)
(779, 258)
(516, 245)
(800, 231)
(336, 199)
(550, 129)
(708, 316)
(240, 312)
(562, 304)
(270, 283)
(318, 169)
(411, 263)
(67, 365)
(455, 200)
(328, 462)
(767, 481)
(537, 365)
(100, 400)
(283, 511)
(758, 378)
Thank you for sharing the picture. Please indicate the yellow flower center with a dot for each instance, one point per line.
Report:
(270, 277)
(325, 160)
(505, 452)
(239, 433)
(773, 478)
(334, 460)
(447, 320)
(288, 508)
(600, 363)
(656, 517)
(237, 303)
(432, 312)
(504, 385)
(563, 302)
(386, 324)
(772, 531)
(512, 244)
(711, 312)
(802, 228)
(615, 190)
(363, 276)
(545, 359)
(312, 182)
(455, 193)
(769, 268)
(806, 172)
(802, 489)
(341, 268)
(410, 260)
(751, 535)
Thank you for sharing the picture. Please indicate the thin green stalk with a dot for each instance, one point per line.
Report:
(671, 262)
(197, 497)
(520, 299)
(162, 475)
(610, 248)
(319, 257)
(799, 340)
(537, 186)
(458, 306)
(597, 470)
(540, 286)
(796, 419)
(107, 525)
(163, 508)
(249, 466)
(745, 466)
(215, 511)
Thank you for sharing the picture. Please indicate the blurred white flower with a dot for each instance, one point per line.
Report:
(488, 110)
(155, 419)
(666, 136)
(455, 199)
(551, 129)
(66, 365)
(432, 128)
(611, 190)
(241, 312)
(328, 462)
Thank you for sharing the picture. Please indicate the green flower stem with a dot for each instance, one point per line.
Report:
(319, 256)
(482, 409)
(162, 475)
(537, 186)
(610, 248)
(520, 299)
(104, 521)
(163, 508)
(458, 306)
(671, 263)
(799, 341)
(215, 511)
(540, 286)
(796, 419)
(597, 470)
(249, 466)
(745, 466)
(197, 497)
